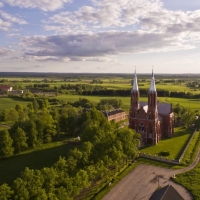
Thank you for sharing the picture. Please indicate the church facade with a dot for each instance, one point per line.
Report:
(153, 120)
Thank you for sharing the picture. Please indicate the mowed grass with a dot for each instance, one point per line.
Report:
(6, 103)
(43, 156)
(191, 180)
(174, 145)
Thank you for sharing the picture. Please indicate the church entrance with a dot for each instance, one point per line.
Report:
(149, 141)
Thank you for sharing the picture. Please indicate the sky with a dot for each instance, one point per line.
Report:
(100, 36)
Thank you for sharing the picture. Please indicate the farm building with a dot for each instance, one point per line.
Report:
(153, 120)
(5, 88)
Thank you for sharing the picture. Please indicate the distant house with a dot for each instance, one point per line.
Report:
(115, 115)
(166, 193)
(5, 88)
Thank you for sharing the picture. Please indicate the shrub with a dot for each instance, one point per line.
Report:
(164, 153)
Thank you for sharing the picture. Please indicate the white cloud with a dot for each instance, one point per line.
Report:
(1, 4)
(107, 14)
(45, 5)
(12, 19)
(4, 25)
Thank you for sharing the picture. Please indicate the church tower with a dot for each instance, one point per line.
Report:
(135, 95)
(153, 112)
(135, 103)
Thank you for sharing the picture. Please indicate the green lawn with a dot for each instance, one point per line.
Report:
(174, 145)
(10, 103)
(191, 180)
(43, 156)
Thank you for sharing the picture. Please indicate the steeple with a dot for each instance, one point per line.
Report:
(135, 84)
(153, 85)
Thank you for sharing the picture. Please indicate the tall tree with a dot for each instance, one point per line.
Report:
(19, 140)
(6, 149)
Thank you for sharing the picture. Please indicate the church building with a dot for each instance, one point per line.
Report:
(153, 120)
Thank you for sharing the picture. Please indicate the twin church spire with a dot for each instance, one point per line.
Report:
(152, 84)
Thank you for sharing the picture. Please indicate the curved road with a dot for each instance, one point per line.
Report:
(145, 179)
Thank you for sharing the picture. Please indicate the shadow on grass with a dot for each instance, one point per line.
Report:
(12, 167)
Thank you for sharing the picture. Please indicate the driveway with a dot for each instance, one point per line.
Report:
(144, 180)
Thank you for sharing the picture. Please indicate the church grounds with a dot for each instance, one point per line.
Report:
(174, 145)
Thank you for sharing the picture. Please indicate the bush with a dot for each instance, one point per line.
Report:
(164, 153)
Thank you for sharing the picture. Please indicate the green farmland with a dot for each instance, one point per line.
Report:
(193, 104)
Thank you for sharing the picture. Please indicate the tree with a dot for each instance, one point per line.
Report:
(22, 112)
(110, 103)
(11, 115)
(188, 118)
(19, 140)
(6, 149)
(129, 140)
(5, 192)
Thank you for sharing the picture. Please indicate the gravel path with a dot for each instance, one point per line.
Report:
(145, 179)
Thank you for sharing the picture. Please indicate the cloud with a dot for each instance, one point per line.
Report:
(102, 14)
(98, 45)
(12, 19)
(1, 5)
(7, 21)
(5, 52)
(45, 5)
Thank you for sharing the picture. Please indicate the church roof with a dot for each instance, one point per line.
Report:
(166, 193)
(135, 84)
(163, 108)
(152, 85)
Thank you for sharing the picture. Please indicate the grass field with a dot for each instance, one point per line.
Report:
(10, 103)
(193, 104)
(43, 156)
(174, 145)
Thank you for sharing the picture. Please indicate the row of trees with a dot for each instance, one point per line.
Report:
(101, 145)
(143, 93)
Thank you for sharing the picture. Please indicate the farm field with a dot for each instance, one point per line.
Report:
(174, 145)
(193, 104)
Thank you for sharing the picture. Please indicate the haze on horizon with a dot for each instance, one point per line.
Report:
(100, 36)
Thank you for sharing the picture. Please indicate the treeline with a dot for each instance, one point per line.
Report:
(143, 93)
(102, 146)
(39, 122)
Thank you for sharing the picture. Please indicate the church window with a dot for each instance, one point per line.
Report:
(150, 128)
